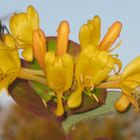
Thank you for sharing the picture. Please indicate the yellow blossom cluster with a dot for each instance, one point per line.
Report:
(93, 67)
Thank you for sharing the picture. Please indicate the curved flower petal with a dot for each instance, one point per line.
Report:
(132, 69)
(28, 53)
(119, 64)
(76, 97)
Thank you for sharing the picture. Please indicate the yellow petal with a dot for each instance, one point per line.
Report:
(9, 64)
(111, 36)
(39, 46)
(93, 65)
(11, 58)
(22, 25)
(8, 79)
(59, 71)
(28, 54)
(132, 69)
(95, 32)
(84, 36)
(103, 72)
(33, 16)
(122, 104)
(130, 78)
(90, 33)
(75, 99)
(84, 63)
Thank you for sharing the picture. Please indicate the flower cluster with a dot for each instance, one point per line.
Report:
(95, 66)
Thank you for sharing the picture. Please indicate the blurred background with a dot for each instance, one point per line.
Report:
(112, 126)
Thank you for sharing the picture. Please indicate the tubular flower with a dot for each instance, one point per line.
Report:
(95, 61)
(59, 67)
(22, 26)
(9, 62)
(130, 83)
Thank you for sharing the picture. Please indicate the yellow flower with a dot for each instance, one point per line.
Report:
(95, 61)
(130, 83)
(9, 62)
(59, 67)
(22, 26)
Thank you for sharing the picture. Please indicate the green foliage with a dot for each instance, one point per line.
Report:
(106, 108)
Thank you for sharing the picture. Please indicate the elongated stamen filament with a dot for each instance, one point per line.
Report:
(44, 102)
(34, 72)
(27, 76)
(95, 97)
(117, 46)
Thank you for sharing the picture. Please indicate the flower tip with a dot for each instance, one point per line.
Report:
(31, 9)
(63, 27)
(59, 112)
(97, 18)
(116, 27)
(73, 104)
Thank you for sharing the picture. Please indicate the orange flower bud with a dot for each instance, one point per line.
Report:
(62, 38)
(122, 104)
(39, 46)
(111, 36)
